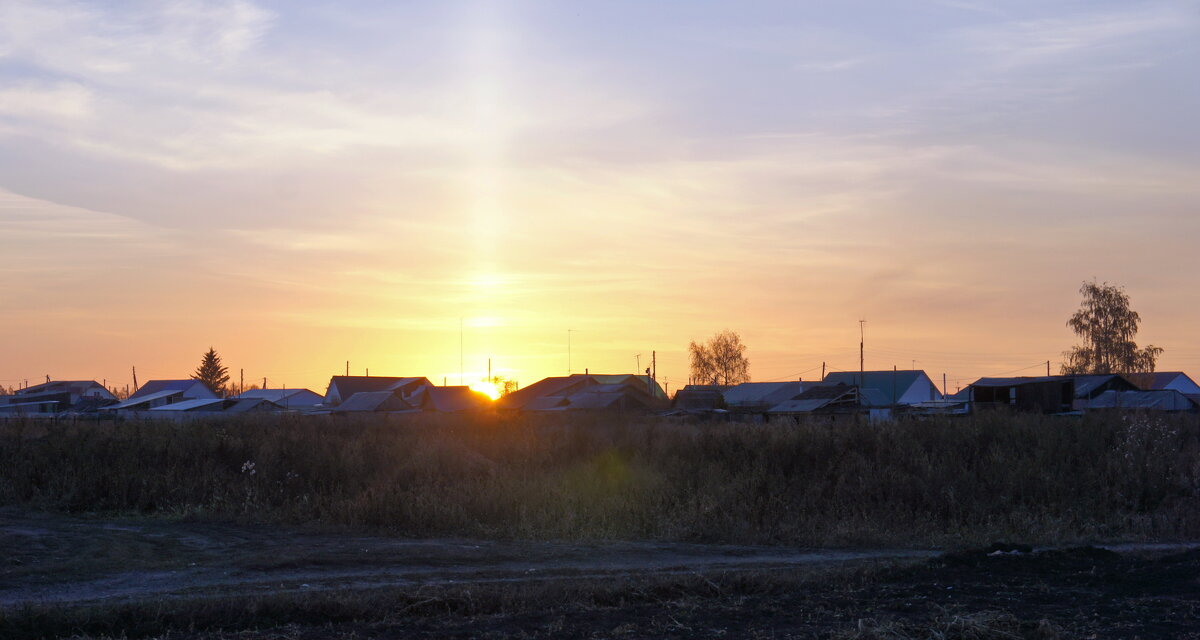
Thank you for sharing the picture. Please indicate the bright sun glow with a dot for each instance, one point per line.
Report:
(488, 389)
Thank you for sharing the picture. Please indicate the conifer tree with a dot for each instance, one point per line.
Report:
(212, 373)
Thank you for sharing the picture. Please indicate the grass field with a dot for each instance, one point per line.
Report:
(946, 482)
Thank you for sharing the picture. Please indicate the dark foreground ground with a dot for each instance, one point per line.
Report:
(73, 577)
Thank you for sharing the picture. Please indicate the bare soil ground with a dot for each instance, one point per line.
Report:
(91, 577)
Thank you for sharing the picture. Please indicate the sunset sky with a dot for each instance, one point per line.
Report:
(298, 186)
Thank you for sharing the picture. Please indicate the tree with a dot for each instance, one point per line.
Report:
(721, 360)
(1107, 326)
(212, 373)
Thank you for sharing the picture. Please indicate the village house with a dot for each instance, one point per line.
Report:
(157, 393)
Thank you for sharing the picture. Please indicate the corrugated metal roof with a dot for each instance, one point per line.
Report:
(763, 393)
(150, 397)
(1016, 382)
(450, 399)
(298, 396)
(347, 386)
(189, 385)
(373, 401)
(887, 383)
(250, 405)
(199, 404)
(1156, 400)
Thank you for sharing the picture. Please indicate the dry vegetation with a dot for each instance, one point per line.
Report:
(943, 482)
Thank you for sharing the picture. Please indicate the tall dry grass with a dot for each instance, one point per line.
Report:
(943, 481)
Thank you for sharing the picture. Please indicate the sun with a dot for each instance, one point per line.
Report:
(488, 389)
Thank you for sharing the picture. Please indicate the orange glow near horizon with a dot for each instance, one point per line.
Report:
(488, 389)
(420, 207)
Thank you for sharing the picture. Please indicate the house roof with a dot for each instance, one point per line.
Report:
(156, 386)
(763, 393)
(1089, 384)
(245, 405)
(134, 401)
(307, 396)
(1160, 379)
(550, 393)
(887, 383)
(817, 397)
(456, 398)
(70, 386)
(374, 401)
(199, 404)
(1016, 382)
(349, 385)
(553, 386)
(1158, 399)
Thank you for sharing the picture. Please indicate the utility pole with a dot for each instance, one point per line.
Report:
(264, 382)
(460, 351)
(489, 379)
(1047, 368)
(862, 340)
(638, 360)
(347, 368)
(368, 370)
(241, 381)
(654, 366)
(822, 371)
(135, 384)
(943, 386)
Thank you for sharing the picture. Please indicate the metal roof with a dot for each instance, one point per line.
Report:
(198, 404)
(134, 401)
(1159, 399)
(348, 386)
(157, 386)
(373, 401)
(284, 395)
(457, 398)
(764, 393)
(887, 383)
(1016, 382)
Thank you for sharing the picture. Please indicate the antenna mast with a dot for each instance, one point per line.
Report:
(862, 339)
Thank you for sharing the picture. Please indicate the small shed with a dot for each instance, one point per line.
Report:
(1044, 394)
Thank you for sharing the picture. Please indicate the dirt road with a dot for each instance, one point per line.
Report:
(55, 559)
(143, 578)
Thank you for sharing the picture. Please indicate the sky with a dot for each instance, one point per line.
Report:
(417, 187)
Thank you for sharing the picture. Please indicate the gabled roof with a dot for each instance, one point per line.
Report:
(1089, 385)
(294, 397)
(818, 397)
(188, 386)
(347, 386)
(249, 405)
(553, 386)
(199, 404)
(449, 399)
(1162, 379)
(763, 393)
(1155, 400)
(373, 401)
(887, 383)
(1016, 382)
(549, 393)
(149, 397)
(78, 387)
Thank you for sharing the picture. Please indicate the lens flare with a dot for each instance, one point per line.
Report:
(488, 389)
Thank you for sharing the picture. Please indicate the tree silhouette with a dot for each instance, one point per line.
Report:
(212, 373)
(721, 360)
(1108, 327)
